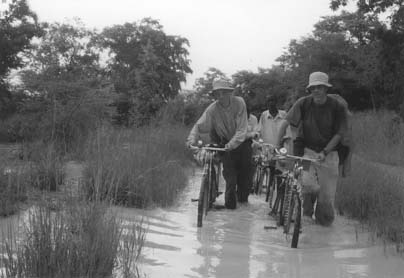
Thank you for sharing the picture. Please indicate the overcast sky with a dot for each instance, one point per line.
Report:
(230, 35)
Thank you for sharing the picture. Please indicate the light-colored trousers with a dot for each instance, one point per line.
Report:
(321, 181)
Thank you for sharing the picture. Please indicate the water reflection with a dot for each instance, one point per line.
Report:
(235, 244)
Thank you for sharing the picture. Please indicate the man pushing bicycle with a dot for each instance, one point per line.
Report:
(321, 122)
(226, 122)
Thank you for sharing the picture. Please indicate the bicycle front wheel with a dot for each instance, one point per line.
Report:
(203, 199)
(297, 220)
(256, 180)
(270, 187)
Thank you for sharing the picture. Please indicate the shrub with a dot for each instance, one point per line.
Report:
(81, 240)
(136, 167)
(47, 172)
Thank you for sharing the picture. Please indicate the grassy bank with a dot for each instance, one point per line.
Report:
(374, 192)
(79, 236)
(137, 167)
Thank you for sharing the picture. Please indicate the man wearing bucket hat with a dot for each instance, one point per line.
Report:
(226, 122)
(322, 123)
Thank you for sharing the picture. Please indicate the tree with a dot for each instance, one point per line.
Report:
(391, 39)
(65, 85)
(18, 26)
(147, 66)
(348, 47)
(255, 87)
(203, 85)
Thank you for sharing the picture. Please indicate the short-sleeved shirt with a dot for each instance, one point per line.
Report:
(318, 123)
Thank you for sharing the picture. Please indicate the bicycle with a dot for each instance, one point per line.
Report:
(209, 189)
(265, 172)
(289, 200)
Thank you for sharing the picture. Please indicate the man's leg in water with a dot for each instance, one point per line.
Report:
(328, 179)
(311, 186)
(244, 177)
(230, 176)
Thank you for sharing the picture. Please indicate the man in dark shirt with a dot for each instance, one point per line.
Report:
(322, 122)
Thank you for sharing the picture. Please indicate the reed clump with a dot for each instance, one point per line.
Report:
(138, 167)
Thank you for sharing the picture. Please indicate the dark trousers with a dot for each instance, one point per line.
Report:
(237, 169)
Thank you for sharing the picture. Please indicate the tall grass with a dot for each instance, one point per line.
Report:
(47, 173)
(14, 185)
(138, 167)
(374, 192)
(379, 136)
(81, 240)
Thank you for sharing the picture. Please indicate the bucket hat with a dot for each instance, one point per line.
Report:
(318, 78)
(221, 84)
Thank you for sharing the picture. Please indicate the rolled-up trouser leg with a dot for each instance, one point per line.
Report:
(328, 179)
(320, 181)
(230, 176)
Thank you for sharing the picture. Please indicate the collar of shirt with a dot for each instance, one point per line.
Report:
(278, 115)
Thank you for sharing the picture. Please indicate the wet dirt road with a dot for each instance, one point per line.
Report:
(235, 244)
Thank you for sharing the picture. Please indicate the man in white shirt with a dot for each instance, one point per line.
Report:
(268, 127)
(270, 121)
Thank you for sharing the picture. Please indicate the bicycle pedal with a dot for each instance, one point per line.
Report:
(194, 200)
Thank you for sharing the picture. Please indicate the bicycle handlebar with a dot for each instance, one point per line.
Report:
(281, 156)
(207, 148)
(294, 157)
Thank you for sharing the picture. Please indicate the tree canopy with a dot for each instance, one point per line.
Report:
(18, 25)
(147, 66)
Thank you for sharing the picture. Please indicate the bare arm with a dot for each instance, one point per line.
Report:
(282, 130)
(333, 143)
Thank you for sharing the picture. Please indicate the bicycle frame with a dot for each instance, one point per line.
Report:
(210, 182)
(292, 200)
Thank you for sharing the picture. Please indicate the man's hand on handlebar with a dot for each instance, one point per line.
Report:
(320, 156)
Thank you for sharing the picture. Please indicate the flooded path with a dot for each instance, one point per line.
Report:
(235, 244)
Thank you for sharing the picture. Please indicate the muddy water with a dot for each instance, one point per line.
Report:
(235, 244)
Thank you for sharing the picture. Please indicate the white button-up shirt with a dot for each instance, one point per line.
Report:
(269, 126)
